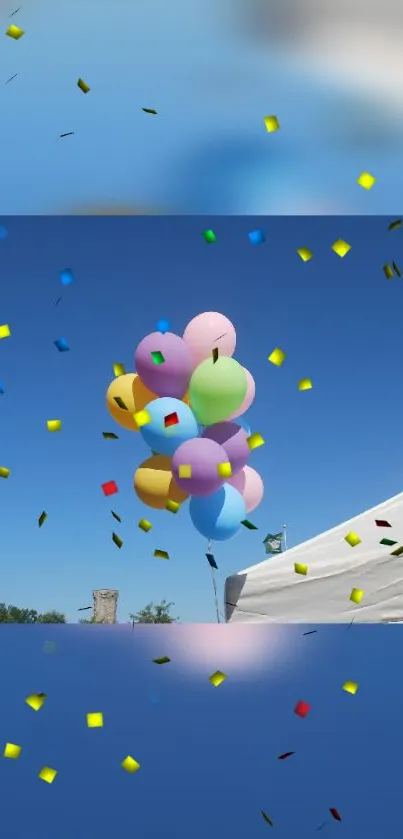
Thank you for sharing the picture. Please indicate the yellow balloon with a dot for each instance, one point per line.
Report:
(154, 483)
(135, 396)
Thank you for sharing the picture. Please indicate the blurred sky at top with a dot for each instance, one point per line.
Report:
(330, 72)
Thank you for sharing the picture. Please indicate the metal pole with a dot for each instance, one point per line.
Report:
(285, 536)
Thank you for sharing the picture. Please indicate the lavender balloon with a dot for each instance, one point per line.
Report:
(164, 364)
(233, 439)
(203, 456)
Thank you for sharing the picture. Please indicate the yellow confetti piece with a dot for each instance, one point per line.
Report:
(366, 180)
(12, 751)
(142, 418)
(305, 384)
(54, 425)
(352, 539)
(271, 124)
(299, 568)
(95, 720)
(224, 470)
(83, 86)
(161, 554)
(15, 32)
(305, 254)
(5, 331)
(185, 471)
(350, 687)
(47, 774)
(36, 701)
(119, 370)
(277, 357)
(145, 525)
(341, 248)
(172, 506)
(254, 441)
(356, 595)
(4, 473)
(217, 678)
(130, 764)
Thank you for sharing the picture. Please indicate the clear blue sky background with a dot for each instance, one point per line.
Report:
(212, 71)
(209, 757)
(330, 452)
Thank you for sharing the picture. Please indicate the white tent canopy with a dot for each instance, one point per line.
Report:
(272, 591)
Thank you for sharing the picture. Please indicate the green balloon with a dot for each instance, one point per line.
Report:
(217, 390)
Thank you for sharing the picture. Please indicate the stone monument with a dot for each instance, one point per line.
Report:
(105, 605)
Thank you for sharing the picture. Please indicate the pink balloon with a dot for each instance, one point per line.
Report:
(207, 332)
(249, 483)
(250, 395)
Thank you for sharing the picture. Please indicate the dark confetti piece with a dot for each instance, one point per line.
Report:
(311, 632)
(285, 755)
(211, 561)
(109, 435)
(161, 554)
(115, 516)
(396, 269)
(382, 523)
(335, 813)
(267, 818)
(117, 540)
(388, 542)
(394, 225)
(215, 355)
(42, 518)
(11, 78)
(84, 609)
(397, 552)
(163, 660)
(248, 524)
(120, 403)
(67, 134)
(149, 111)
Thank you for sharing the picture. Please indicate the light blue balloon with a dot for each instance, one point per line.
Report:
(218, 516)
(243, 424)
(166, 440)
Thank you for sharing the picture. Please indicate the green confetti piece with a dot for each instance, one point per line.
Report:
(209, 236)
(163, 660)
(42, 518)
(117, 540)
(248, 524)
(388, 542)
(157, 358)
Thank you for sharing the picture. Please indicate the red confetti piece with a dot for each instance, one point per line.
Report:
(302, 709)
(285, 755)
(171, 419)
(382, 523)
(335, 813)
(109, 488)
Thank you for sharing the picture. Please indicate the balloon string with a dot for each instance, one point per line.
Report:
(217, 610)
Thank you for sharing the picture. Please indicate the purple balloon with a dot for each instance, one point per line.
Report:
(203, 456)
(164, 364)
(233, 439)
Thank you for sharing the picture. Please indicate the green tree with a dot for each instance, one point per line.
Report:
(159, 613)
(13, 614)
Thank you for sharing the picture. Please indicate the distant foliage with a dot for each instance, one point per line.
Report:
(12, 614)
(159, 613)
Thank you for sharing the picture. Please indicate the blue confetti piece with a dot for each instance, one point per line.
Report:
(163, 326)
(62, 345)
(3, 232)
(2, 390)
(256, 237)
(66, 276)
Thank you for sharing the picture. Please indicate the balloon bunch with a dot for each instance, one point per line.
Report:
(187, 399)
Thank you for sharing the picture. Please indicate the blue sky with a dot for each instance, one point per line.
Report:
(330, 453)
(209, 757)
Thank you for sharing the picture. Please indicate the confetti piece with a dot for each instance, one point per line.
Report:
(142, 418)
(163, 660)
(350, 687)
(248, 524)
(302, 709)
(341, 248)
(305, 384)
(12, 751)
(117, 540)
(394, 225)
(389, 542)
(256, 237)
(388, 271)
(130, 764)
(4, 472)
(311, 632)
(66, 276)
(335, 813)
(172, 506)
(397, 552)
(382, 523)
(2, 389)
(83, 86)
(61, 345)
(115, 516)
(47, 774)
(157, 358)
(120, 403)
(36, 701)
(215, 355)
(119, 370)
(5, 331)
(277, 357)
(171, 419)
(209, 236)
(271, 124)
(42, 518)
(356, 595)
(54, 425)
(95, 720)
(224, 470)
(267, 818)
(149, 111)
(145, 525)
(286, 755)
(185, 471)
(163, 326)
(109, 488)
(15, 32)
(352, 539)
(109, 435)
(217, 678)
(299, 568)
(254, 441)
(67, 134)
(305, 254)
(211, 561)
(161, 554)
(366, 180)
(396, 269)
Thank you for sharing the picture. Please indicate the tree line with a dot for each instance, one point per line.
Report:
(152, 613)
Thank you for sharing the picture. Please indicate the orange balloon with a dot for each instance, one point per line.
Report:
(135, 396)
(155, 485)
